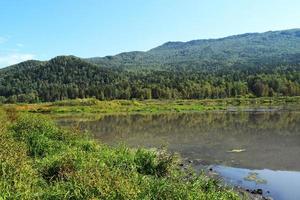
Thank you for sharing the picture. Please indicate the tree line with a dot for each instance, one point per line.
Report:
(69, 78)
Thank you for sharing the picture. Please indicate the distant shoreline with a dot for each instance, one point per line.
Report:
(94, 106)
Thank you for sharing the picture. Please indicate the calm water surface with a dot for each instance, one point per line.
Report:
(270, 141)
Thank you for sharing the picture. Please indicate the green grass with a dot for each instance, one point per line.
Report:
(94, 106)
(38, 160)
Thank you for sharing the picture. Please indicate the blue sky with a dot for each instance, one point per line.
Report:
(42, 29)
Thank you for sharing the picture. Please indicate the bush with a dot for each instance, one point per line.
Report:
(154, 163)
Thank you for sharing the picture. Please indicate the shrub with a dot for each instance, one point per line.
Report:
(154, 163)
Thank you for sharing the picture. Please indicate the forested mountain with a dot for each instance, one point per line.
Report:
(249, 50)
(257, 64)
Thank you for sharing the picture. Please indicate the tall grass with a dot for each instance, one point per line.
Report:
(41, 161)
(92, 106)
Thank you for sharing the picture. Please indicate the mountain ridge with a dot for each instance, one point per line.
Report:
(132, 56)
(247, 65)
(232, 49)
(206, 47)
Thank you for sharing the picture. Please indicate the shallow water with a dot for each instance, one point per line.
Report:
(281, 185)
(265, 139)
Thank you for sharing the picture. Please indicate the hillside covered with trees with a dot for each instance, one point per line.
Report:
(256, 64)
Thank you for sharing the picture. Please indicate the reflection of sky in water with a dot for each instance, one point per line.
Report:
(282, 185)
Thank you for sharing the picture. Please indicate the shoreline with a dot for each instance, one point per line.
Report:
(94, 106)
(208, 170)
(54, 161)
(142, 107)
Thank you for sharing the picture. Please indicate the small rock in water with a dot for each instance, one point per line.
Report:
(259, 191)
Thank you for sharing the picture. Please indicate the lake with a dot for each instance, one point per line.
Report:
(255, 148)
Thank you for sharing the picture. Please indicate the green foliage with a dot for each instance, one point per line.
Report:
(17, 176)
(260, 65)
(77, 102)
(40, 135)
(65, 165)
(150, 106)
(154, 163)
(251, 51)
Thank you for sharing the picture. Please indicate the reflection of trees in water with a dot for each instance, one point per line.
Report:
(266, 136)
(282, 123)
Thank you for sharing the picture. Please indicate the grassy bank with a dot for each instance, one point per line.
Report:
(151, 106)
(38, 160)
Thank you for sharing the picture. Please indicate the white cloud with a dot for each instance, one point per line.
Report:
(14, 58)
